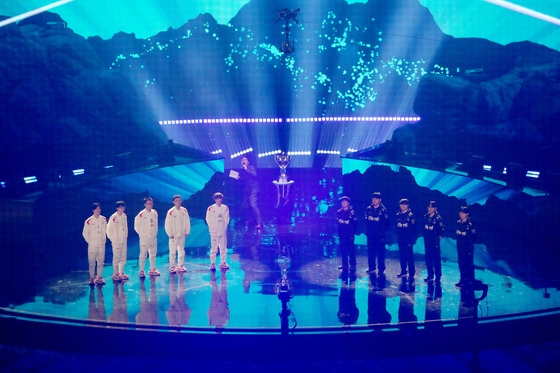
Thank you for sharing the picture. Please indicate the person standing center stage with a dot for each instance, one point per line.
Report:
(347, 222)
(217, 218)
(248, 175)
(376, 223)
(433, 231)
(466, 235)
(177, 227)
(146, 225)
(95, 234)
(406, 237)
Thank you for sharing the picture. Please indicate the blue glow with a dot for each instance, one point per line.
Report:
(80, 171)
(30, 179)
(184, 179)
(472, 190)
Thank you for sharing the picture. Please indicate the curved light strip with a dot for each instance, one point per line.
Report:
(31, 13)
(526, 11)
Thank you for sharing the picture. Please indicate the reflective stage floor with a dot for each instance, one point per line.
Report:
(244, 299)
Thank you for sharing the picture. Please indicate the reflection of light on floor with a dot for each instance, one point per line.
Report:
(316, 288)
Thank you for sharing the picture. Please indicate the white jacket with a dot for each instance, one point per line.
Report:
(177, 222)
(95, 230)
(217, 219)
(117, 228)
(146, 224)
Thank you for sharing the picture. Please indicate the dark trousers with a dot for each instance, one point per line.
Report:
(433, 257)
(376, 249)
(348, 253)
(465, 257)
(250, 203)
(407, 257)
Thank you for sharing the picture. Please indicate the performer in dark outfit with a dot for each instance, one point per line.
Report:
(248, 175)
(347, 222)
(466, 235)
(433, 231)
(376, 223)
(406, 225)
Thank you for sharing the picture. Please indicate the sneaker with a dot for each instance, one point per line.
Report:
(172, 269)
(116, 277)
(92, 281)
(154, 272)
(224, 266)
(142, 274)
(212, 267)
(99, 280)
(124, 276)
(402, 274)
(371, 271)
(429, 279)
(181, 269)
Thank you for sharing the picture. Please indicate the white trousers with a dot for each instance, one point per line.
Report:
(215, 242)
(119, 257)
(96, 254)
(177, 244)
(148, 245)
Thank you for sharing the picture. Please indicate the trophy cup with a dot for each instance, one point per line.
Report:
(283, 160)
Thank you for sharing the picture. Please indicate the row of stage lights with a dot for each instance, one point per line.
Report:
(33, 179)
(289, 120)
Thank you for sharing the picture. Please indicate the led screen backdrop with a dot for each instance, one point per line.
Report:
(146, 72)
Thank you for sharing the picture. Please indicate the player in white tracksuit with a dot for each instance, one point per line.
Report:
(177, 227)
(117, 231)
(146, 225)
(217, 218)
(95, 236)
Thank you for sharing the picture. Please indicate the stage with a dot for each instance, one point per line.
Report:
(244, 298)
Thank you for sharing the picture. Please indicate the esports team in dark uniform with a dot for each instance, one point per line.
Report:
(377, 223)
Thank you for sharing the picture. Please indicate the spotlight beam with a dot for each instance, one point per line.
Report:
(526, 11)
(31, 13)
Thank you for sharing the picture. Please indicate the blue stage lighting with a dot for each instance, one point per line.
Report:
(216, 151)
(533, 174)
(79, 171)
(487, 167)
(30, 179)
(3, 184)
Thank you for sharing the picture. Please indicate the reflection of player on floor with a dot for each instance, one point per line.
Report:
(177, 227)
(178, 313)
(148, 306)
(218, 313)
(94, 233)
(146, 225)
(217, 218)
(120, 312)
(96, 311)
(348, 313)
(117, 231)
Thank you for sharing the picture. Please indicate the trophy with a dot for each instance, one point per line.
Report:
(283, 160)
